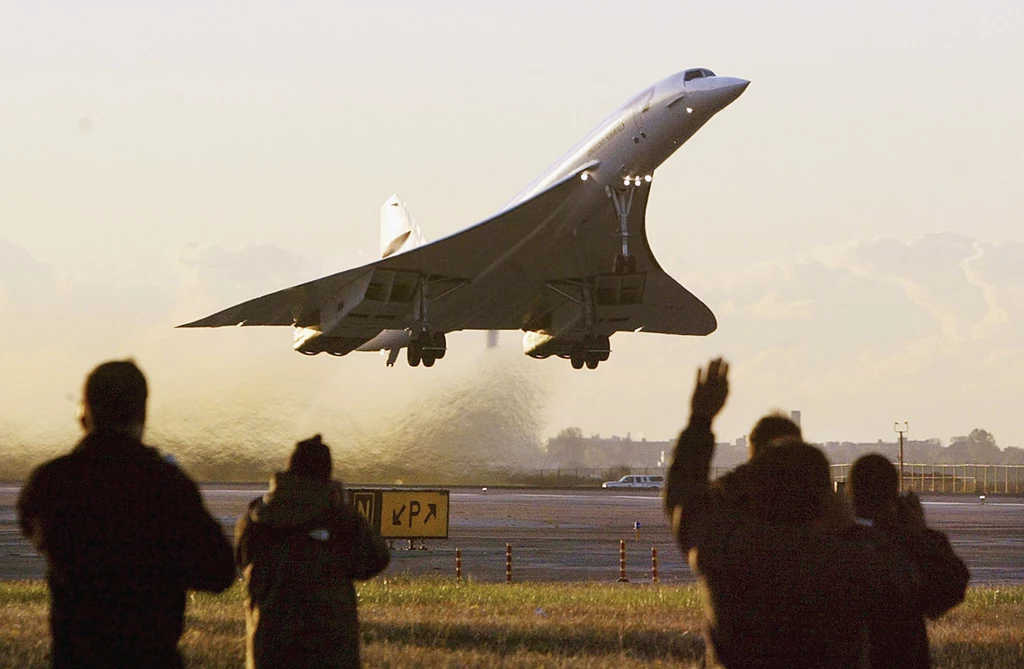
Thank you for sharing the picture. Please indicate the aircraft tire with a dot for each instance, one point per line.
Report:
(428, 361)
(412, 354)
(592, 363)
(577, 363)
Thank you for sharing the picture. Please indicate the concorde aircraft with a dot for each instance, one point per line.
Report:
(567, 261)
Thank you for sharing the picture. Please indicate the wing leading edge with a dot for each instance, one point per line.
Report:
(374, 292)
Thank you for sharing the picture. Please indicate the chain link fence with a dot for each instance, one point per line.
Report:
(922, 478)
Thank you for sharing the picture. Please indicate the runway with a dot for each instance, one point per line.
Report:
(573, 535)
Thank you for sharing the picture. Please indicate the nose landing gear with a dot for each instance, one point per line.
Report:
(622, 199)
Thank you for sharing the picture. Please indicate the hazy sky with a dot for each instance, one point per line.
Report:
(854, 219)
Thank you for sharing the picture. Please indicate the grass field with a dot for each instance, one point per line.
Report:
(433, 623)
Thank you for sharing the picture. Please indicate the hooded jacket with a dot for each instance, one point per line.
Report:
(300, 547)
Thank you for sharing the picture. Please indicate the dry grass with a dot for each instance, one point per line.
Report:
(435, 624)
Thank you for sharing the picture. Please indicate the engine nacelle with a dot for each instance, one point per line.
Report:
(541, 345)
(387, 340)
(310, 341)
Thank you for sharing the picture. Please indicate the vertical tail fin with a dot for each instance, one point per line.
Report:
(398, 229)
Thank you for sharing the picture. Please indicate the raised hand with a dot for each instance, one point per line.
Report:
(711, 389)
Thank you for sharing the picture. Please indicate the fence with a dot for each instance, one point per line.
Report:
(978, 479)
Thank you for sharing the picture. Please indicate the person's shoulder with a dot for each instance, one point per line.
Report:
(51, 469)
(736, 486)
(740, 474)
(168, 473)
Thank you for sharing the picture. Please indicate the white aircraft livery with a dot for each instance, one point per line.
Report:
(567, 261)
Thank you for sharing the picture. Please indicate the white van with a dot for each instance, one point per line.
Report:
(636, 481)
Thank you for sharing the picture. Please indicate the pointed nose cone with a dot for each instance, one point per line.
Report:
(728, 89)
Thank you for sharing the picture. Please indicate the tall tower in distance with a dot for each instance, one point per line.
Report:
(795, 415)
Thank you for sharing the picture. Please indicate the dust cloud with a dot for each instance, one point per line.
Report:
(485, 419)
(480, 421)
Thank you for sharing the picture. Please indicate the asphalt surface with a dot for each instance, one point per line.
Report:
(573, 535)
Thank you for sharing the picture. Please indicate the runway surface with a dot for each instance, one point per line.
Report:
(573, 535)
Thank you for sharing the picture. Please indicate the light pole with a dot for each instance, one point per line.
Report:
(901, 428)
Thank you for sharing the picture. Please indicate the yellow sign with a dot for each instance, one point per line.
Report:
(414, 514)
(364, 504)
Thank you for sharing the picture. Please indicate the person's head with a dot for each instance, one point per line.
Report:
(114, 398)
(874, 487)
(793, 483)
(312, 459)
(771, 428)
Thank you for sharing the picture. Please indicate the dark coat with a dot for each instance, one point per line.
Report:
(300, 547)
(778, 595)
(901, 642)
(124, 534)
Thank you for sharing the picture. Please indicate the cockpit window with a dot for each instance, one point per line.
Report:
(698, 73)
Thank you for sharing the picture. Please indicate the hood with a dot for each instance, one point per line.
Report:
(292, 500)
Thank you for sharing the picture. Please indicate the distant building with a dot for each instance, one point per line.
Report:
(795, 416)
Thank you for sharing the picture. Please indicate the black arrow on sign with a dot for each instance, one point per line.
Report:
(396, 516)
(431, 514)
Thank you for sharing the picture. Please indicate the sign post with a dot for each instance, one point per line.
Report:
(905, 428)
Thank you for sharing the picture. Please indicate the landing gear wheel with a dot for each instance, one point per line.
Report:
(413, 353)
(578, 355)
(431, 347)
(592, 362)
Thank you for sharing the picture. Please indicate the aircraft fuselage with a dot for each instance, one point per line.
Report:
(641, 134)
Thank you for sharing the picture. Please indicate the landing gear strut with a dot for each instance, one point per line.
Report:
(427, 347)
(622, 198)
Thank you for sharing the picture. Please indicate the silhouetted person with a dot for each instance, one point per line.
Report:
(886, 518)
(769, 429)
(300, 547)
(736, 487)
(124, 533)
(780, 589)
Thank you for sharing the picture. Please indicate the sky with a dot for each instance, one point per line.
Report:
(853, 219)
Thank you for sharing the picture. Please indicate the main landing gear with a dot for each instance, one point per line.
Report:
(590, 351)
(622, 198)
(427, 348)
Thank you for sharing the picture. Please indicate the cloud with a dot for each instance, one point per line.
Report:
(930, 326)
